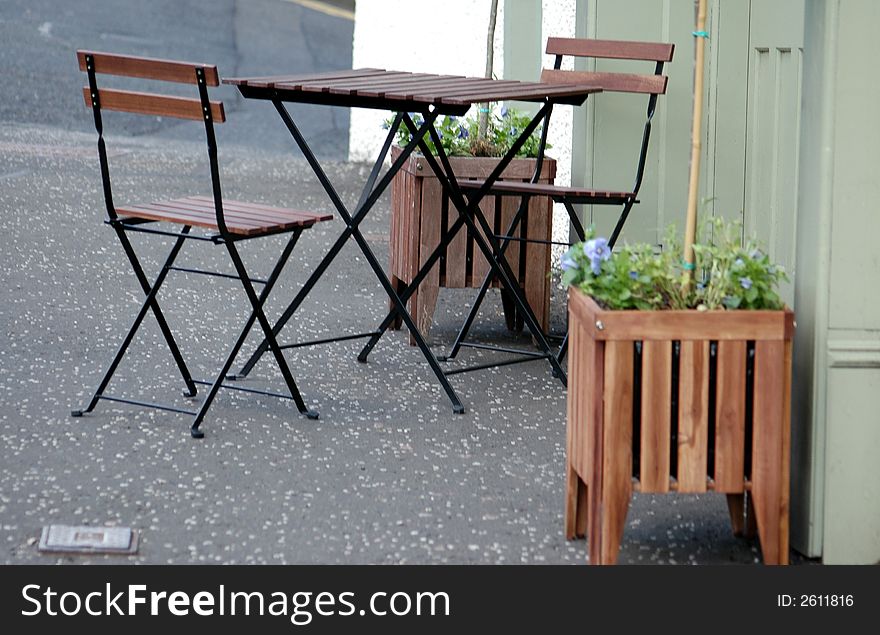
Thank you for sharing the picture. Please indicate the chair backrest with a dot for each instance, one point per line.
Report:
(147, 68)
(146, 103)
(652, 84)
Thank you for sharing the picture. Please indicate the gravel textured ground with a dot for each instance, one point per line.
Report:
(387, 475)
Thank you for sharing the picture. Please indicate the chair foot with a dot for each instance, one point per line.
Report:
(76, 413)
(459, 410)
(233, 377)
(189, 393)
(311, 414)
(196, 433)
(442, 358)
(362, 358)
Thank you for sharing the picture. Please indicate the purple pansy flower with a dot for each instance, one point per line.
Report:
(567, 262)
(745, 283)
(596, 249)
(504, 111)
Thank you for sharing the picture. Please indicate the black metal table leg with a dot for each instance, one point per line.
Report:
(369, 196)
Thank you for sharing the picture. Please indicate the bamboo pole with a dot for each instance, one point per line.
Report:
(696, 145)
(483, 119)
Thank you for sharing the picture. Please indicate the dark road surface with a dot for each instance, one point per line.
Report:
(42, 81)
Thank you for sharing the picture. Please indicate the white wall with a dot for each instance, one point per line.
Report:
(558, 20)
(419, 35)
(450, 39)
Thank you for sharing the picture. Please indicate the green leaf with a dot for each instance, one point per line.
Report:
(569, 276)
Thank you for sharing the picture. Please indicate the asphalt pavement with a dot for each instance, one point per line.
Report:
(388, 474)
(242, 37)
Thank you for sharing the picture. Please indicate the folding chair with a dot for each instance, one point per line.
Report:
(649, 84)
(227, 222)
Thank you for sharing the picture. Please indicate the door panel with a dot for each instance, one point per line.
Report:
(775, 63)
(750, 126)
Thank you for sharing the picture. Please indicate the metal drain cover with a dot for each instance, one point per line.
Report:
(68, 539)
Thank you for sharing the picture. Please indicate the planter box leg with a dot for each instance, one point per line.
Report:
(421, 305)
(742, 515)
(424, 303)
(770, 459)
(611, 489)
(576, 506)
(510, 313)
(399, 285)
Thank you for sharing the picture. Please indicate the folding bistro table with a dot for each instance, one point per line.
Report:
(406, 94)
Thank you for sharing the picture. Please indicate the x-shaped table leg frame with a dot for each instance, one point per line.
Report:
(470, 216)
(370, 194)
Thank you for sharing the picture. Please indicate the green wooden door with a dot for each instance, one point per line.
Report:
(750, 127)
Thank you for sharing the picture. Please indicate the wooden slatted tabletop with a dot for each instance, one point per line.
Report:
(399, 90)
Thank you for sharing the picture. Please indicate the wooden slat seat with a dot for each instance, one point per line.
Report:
(544, 189)
(243, 219)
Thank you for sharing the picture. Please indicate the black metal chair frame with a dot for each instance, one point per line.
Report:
(122, 226)
(568, 201)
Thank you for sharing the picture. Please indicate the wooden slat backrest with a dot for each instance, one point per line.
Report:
(153, 104)
(611, 49)
(610, 82)
(148, 68)
(145, 103)
(654, 84)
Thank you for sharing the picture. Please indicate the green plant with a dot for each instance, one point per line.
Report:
(728, 274)
(459, 135)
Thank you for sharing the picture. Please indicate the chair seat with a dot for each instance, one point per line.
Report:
(244, 219)
(544, 189)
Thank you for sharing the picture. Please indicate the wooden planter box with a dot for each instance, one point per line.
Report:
(682, 401)
(421, 211)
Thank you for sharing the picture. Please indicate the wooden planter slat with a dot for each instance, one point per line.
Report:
(418, 207)
(429, 236)
(656, 419)
(693, 416)
(509, 205)
(710, 450)
(537, 267)
(730, 412)
(456, 268)
(479, 264)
